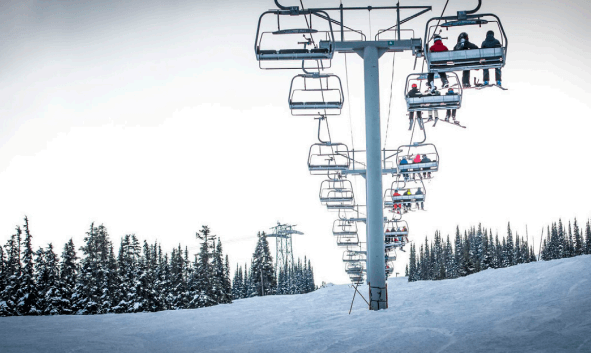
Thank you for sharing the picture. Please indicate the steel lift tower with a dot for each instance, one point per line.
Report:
(370, 50)
(283, 249)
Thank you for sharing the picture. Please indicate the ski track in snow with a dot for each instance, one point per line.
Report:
(538, 307)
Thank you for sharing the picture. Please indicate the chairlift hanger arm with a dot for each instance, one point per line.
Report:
(471, 11)
(403, 21)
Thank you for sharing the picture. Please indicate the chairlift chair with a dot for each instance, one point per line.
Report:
(356, 278)
(335, 191)
(427, 102)
(328, 158)
(429, 165)
(291, 40)
(395, 228)
(347, 240)
(398, 201)
(343, 227)
(316, 95)
(460, 60)
(352, 256)
(354, 268)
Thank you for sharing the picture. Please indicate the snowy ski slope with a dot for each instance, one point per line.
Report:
(537, 307)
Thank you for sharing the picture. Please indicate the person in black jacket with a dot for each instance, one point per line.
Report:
(464, 44)
(491, 42)
(414, 93)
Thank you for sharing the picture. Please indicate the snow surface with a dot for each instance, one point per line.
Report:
(537, 307)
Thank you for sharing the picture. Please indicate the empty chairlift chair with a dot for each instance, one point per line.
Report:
(355, 268)
(347, 240)
(328, 158)
(428, 101)
(337, 194)
(460, 60)
(352, 256)
(316, 94)
(344, 228)
(290, 40)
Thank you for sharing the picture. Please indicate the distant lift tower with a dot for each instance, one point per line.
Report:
(283, 249)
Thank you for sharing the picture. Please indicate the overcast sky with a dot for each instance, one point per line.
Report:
(153, 118)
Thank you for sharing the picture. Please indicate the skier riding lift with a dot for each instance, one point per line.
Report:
(464, 44)
(414, 93)
(491, 42)
(437, 47)
(450, 112)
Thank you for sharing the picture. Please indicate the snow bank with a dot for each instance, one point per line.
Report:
(537, 307)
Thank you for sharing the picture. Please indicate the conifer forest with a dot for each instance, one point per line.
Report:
(139, 277)
(476, 250)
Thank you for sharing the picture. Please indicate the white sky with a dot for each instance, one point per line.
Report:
(153, 118)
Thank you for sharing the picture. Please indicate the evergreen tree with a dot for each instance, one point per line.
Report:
(509, 248)
(578, 240)
(204, 270)
(412, 269)
(68, 276)
(51, 299)
(26, 297)
(13, 270)
(588, 238)
(262, 270)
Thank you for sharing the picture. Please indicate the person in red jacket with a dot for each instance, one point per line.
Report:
(437, 47)
(416, 160)
(397, 206)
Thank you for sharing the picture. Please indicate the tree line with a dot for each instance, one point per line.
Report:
(140, 278)
(476, 251)
(261, 279)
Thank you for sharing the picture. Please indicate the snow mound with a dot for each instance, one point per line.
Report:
(536, 307)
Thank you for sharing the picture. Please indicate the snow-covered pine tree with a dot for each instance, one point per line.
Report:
(562, 241)
(412, 265)
(51, 290)
(509, 248)
(262, 269)
(26, 297)
(218, 273)
(311, 283)
(458, 246)
(3, 271)
(68, 276)
(204, 270)
(517, 255)
(227, 283)
(578, 240)
(13, 270)
(237, 283)
(246, 284)
(587, 249)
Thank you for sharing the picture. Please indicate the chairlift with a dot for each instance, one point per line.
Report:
(316, 94)
(354, 268)
(460, 60)
(347, 240)
(335, 191)
(395, 228)
(403, 198)
(427, 102)
(352, 256)
(356, 278)
(328, 158)
(429, 160)
(290, 40)
(343, 227)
